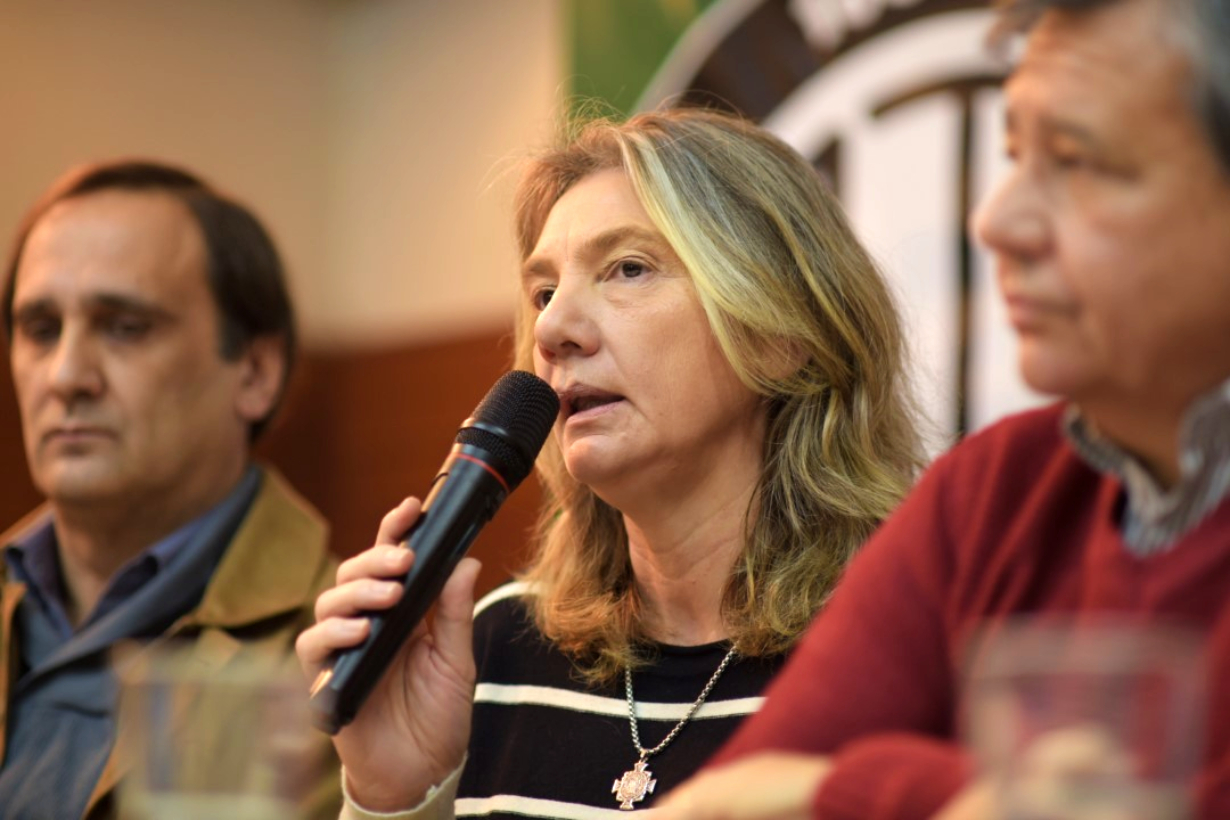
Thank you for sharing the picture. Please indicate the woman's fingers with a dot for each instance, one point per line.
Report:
(399, 520)
(339, 621)
(388, 558)
(380, 561)
(356, 597)
(315, 645)
(454, 624)
(371, 582)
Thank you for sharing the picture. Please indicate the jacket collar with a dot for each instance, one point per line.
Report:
(272, 567)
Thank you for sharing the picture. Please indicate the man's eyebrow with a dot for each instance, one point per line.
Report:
(29, 310)
(121, 302)
(1055, 126)
(602, 243)
(112, 302)
(1073, 130)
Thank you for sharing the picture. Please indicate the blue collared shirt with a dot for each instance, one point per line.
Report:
(34, 560)
(61, 722)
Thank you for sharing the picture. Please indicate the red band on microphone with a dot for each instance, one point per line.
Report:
(488, 468)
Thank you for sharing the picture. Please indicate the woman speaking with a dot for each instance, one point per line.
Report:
(734, 423)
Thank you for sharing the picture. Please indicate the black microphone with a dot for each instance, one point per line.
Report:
(494, 451)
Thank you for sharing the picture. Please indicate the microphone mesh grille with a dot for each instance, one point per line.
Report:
(526, 407)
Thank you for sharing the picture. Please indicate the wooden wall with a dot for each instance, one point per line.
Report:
(359, 432)
(17, 494)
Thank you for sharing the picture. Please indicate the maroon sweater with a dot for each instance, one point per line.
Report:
(1010, 521)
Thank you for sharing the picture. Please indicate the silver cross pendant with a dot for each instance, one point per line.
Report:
(634, 785)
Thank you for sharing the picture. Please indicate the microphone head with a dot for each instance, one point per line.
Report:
(512, 422)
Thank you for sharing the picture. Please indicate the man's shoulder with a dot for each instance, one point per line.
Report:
(1013, 447)
(277, 561)
(39, 517)
(280, 520)
(278, 504)
(1023, 461)
(1027, 428)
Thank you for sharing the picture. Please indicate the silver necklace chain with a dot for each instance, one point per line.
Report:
(636, 734)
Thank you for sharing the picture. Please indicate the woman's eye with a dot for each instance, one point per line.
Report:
(541, 297)
(630, 269)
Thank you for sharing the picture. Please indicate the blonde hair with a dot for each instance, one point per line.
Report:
(782, 280)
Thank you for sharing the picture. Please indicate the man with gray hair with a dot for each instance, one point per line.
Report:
(1111, 233)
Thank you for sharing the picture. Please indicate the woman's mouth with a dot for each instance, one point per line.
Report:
(586, 401)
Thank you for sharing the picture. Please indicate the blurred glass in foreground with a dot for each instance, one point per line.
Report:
(1080, 720)
(204, 742)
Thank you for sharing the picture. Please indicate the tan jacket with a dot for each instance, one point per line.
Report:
(260, 598)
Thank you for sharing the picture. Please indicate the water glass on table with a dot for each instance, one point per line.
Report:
(200, 742)
(1093, 719)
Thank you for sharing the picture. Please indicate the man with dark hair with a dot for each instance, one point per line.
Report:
(1111, 233)
(150, 337)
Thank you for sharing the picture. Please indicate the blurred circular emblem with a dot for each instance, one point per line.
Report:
(897, 103)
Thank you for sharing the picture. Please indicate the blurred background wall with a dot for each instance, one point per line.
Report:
(377, 139)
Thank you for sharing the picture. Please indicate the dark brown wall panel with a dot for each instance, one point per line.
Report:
(364, 430)
(17, 494)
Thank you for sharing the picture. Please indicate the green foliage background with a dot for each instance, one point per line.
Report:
(616, 46)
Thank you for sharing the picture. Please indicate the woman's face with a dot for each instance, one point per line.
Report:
(649, 405)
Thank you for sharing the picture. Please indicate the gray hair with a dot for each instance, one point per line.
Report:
(1202, 28)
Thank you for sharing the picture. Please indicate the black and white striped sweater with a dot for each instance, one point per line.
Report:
(545, 745)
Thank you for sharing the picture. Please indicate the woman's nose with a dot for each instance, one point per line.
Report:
(568, 324)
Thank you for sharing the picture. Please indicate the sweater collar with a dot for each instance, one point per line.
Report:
(1155, 517)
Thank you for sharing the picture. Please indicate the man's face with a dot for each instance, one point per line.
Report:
(124, 397)
(1112, 230)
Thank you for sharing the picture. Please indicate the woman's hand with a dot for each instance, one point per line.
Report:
(975, 802)
(767, 786)
(414, 727)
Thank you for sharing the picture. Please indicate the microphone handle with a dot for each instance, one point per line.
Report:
(464, 495)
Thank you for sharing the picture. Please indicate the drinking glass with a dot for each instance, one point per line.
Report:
(202, 742)
(1087, 719)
